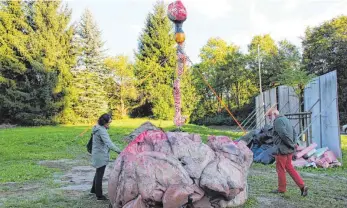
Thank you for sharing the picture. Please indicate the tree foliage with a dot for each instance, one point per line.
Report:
(325, 49)
(155, 68)
(268, 51)
(52, 71)
(224, 67)
(121, 86)
(35, 62)
(234, 76)
(90, 74)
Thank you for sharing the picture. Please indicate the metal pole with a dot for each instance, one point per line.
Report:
(260, 87)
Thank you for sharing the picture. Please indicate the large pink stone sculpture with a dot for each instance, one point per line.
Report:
(175, 169)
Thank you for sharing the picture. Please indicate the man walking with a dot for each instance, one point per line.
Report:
(284, 139)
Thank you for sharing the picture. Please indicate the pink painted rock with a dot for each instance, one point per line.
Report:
(181, 194)
(136, 203)
(176, 169)
(144, 127)
(203, 203)
(229, 183)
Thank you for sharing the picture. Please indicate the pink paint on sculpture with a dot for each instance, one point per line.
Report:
(177, 12)
(175, 169)
(178, 120)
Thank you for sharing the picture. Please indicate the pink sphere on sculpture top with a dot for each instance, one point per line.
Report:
(177, 12)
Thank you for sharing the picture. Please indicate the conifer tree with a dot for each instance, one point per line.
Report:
(14, 60)
(155, 67)
(89, 74)
(53, 52)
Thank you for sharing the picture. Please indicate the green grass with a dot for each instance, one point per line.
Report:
(22, 148)
(56, 200)
(327, 187)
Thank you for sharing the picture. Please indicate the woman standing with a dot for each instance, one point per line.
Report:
(102, 145)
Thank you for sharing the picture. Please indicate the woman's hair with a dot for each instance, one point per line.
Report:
(104, 119)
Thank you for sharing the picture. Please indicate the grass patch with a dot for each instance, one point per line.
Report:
(251, 202)
(58, 200)
(23, 147)
(24, 171)
(328, 191)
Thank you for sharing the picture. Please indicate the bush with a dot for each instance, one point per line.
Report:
(216, 120)
(222, 118)
(163, 110)
(28, 119)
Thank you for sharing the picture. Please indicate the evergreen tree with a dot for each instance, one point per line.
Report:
(52, 49)
(155, 67)
(14, 60)
(87, 107)
(91, 44)
(90, 73)
(36, 60)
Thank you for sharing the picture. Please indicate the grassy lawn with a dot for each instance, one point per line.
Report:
(21, 150)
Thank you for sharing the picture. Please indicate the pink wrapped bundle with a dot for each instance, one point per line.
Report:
(301, 162)
(327, 158)
(322, 163)
(312, 159)
(306, 150)
(330, 156)
(299, 148)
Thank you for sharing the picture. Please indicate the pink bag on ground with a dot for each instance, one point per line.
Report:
(301, 162)
(330, 156)
(306, 150)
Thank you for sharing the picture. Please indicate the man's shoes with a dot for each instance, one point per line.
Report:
(304, 191)
(276, 191)
(101, 198)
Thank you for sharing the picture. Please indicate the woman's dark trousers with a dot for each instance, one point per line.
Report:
(97, 182)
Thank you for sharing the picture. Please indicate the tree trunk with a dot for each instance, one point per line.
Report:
(238, 95)
(122, 109)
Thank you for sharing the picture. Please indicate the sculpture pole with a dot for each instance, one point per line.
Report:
(177, 14)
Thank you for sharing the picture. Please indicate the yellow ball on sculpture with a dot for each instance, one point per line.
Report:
(180, 37)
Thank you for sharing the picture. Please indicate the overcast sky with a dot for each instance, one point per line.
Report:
(236, 21)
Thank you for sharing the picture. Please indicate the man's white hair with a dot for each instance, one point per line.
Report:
(273, 111)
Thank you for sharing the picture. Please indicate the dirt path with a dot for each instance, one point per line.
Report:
(72, 185)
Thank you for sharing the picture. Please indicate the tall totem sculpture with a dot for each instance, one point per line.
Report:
(177, 13)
